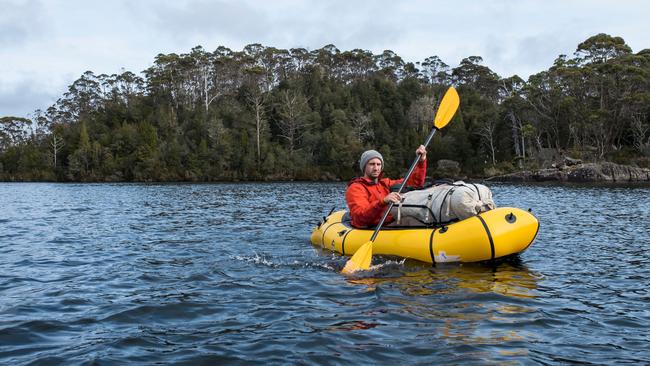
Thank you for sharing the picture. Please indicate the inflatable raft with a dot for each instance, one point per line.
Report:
(491, 235)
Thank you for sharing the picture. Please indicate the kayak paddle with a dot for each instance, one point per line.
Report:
(446, 110)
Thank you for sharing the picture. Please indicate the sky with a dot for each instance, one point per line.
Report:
(45, 45)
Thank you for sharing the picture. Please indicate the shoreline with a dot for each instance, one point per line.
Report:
(571, 171)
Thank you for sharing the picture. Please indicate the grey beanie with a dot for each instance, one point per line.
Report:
(367, 156)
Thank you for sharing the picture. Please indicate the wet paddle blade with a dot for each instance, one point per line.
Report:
(447, 108)
(360, 260)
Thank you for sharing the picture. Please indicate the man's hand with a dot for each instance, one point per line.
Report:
(392, 197)
(422, 151)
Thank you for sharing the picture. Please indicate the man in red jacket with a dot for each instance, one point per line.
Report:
(368, 196)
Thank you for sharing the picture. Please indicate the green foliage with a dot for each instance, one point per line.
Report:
(271, 114)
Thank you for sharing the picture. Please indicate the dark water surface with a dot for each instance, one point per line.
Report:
(224, 273)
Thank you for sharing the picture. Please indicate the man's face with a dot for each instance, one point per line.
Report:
(373, 168)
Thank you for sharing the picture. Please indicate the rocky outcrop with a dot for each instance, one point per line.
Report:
(607, 172)
(574, 170)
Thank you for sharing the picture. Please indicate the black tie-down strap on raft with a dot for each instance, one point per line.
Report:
(444, 229)
(487, 230)
(433, 257)
(325, 217)
(343, 241)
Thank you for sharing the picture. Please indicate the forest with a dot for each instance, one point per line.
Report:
(265, 113)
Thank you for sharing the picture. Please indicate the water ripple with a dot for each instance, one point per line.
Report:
(224, 273)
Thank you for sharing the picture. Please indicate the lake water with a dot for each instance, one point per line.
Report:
(225, 273)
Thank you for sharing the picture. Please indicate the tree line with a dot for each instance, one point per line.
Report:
(265, 113)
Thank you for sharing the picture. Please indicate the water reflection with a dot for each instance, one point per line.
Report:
(510, 278)
(468, 304)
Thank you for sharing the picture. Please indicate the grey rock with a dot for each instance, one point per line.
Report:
(549, 175)
(608, 172)
(581, 172)
(571, 161)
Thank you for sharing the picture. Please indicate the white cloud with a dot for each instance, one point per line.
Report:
(20, 21)
(24, 95)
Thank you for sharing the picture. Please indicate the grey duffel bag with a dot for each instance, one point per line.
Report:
(442, 204)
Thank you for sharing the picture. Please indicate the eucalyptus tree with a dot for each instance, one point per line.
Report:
(269, 62)
(163, 81)
(204, 74)
(325, 59)
(293, 120)
(435, 71)
(361, 124)
(421, 113)
(487, 131)
(555, 114)
(639, 102)
(256, 94)
(301, 58)
(355, 65)
(470, 72)
(82, 99)
(57, 143)
(600, 58)
(480, 87)
(14, 131)
(640, 130)
(390, 65)
(126, 87)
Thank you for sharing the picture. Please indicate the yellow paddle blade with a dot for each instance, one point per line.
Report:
(360, 260)
(447, 108)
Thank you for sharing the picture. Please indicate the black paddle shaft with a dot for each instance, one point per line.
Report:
(401, 186)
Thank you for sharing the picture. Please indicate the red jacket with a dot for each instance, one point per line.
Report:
(365, 197)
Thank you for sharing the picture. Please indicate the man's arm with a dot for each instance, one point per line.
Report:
(419, 174)
(362, 210)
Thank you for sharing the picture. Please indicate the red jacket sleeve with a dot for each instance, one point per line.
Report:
(418, 176)
(362, 211)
